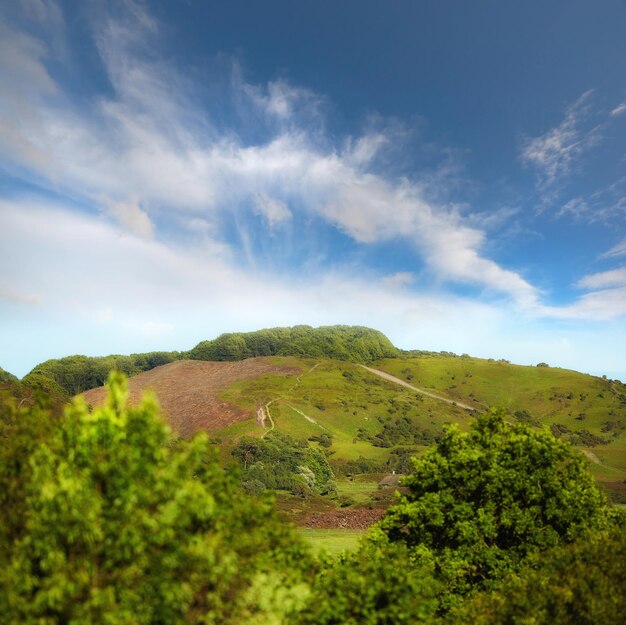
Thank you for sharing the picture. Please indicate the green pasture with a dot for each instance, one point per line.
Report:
(331, 541)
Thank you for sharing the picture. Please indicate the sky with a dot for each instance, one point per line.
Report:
(450, 173)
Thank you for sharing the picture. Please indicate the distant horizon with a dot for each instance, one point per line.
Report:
(453, 176)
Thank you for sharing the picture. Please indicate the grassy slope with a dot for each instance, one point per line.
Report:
(341, 397)
(550, 395)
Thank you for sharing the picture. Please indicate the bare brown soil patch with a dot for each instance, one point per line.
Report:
(188, 391)
(348, 518)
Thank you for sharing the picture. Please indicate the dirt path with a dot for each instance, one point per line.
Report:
(392, 378)
(299, 378)
(309, 419)
(264, 411)
(591, 456)
(268, 414)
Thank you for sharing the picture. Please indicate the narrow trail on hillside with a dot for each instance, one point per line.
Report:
(392, 378)
(309, 419)
(264, 411)
(591, 456)
(299, 378)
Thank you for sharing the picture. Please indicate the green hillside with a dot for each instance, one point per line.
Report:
(6, 377)
(368, 424)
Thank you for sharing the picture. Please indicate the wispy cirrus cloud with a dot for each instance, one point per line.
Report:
(555, 153)
(620, 109)
(147, 154)
(616, 250)
(148, 151)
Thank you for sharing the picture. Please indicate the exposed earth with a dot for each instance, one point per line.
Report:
(188, 391)
(347, 518)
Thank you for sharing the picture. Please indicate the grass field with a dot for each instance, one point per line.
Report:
(332, 541)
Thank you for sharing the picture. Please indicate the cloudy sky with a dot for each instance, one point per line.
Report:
(451, 173)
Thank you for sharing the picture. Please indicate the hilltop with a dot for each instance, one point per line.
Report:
(74, 374)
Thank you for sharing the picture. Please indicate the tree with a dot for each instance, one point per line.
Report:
(377, 585)
(280, 462)
(579, 584)
(483, 501)
(120, 524)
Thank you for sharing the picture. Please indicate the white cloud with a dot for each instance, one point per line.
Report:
(278, 99)
(149, 142)
(617, 250)
(606, 299)
(615, 277)
(132, 217)
(576, 207)
(620, 109)
(274, 211)
(555, 152)
(399, 279)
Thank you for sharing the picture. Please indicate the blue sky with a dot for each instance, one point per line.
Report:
(451, 173)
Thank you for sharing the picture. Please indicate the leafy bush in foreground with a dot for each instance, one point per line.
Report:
(105, 520)
(579, 584)
(485, 500)
(378, 585)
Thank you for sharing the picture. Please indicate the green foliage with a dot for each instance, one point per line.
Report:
(583, 438)
(6, 377)
(278, 462)
(358, 466)
(401, 460)
(338, 342)
(483, 501)
(377, 585)
(399, 431)
(580, 584)
(25, 424)
(105, 520)
(75, 374)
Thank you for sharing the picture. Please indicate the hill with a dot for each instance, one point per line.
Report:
(369, 425)
(74, 374)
